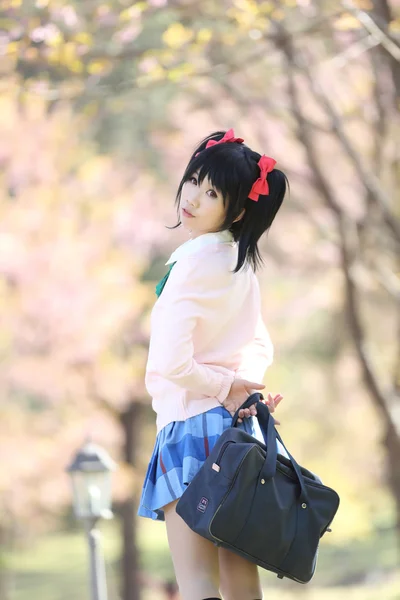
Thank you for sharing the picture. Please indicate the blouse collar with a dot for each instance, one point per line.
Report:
(193, 246)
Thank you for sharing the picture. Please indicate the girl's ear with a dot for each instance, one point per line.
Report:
(240, 216)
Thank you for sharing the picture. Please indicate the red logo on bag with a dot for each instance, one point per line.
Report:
(202, 505)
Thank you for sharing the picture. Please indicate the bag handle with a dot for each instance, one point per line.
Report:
(270, 435)
(253, 399)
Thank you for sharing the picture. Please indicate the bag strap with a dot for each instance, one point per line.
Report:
(270, 435)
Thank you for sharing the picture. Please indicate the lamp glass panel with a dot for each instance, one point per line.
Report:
(91, 493)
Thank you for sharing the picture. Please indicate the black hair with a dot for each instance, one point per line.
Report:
(232, 169)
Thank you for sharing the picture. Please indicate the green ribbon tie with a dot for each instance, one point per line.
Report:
(160, 285)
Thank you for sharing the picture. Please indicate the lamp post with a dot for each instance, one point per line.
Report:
(90, 473)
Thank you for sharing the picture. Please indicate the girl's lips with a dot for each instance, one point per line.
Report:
(187, 214)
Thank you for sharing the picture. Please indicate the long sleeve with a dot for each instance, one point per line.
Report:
(258, 355)
(193, 289)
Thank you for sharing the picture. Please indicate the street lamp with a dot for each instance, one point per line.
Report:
(90, 473)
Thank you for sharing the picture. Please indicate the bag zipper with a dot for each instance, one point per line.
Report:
(228, 491)
(222, 451)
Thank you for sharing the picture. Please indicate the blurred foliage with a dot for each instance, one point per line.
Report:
(43, 567)
(102, 104)
(116, 60)
(70, 247)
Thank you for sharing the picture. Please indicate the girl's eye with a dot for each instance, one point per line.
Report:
(212, 194)
(193, 180)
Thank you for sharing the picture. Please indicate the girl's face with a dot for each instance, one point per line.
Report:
(204, 203)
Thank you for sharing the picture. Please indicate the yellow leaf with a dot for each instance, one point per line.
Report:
(177, 35)
(204, 36)
(248, 6)
(96, 67)
(243, 18)
(156, 70)
(133, 12)
(7, 24)
(54, 56)
(83, 37)
(75, 66)
(68, 52)
(12, 48)
(166, 57)
(180, 72)
(55, 40)
(347, 21)
(394, 26)
(141, 6)
(157, 73)
(266, 7)
(125, 15)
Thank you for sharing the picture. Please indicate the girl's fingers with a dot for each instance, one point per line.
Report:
(270, 405)
(272, 402)
(276, 399)
(245, 413)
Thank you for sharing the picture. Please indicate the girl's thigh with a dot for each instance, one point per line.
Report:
(239, 578)
(195, 559)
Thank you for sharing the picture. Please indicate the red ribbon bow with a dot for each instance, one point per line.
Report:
(261, 187)
(228, 137)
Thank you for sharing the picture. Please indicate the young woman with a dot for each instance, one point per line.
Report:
(209, 347)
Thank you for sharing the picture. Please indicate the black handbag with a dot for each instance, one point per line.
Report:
(261, 505)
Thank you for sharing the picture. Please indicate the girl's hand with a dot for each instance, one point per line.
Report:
(271, 401)
(240, 390)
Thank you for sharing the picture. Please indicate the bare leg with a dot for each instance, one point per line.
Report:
(239, 577)
(195, 559)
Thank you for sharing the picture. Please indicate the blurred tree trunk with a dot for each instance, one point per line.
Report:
(5, 575)
(383, 15)
(387, 64)
(131, 585)
(386, 399)
(129, 421)
(4, 581)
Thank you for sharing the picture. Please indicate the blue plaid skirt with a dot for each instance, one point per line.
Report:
(180, 450)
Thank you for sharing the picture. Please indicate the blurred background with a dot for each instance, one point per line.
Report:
(102, 102)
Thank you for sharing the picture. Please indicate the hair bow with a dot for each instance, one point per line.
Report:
(228, 137)
(261, 187)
